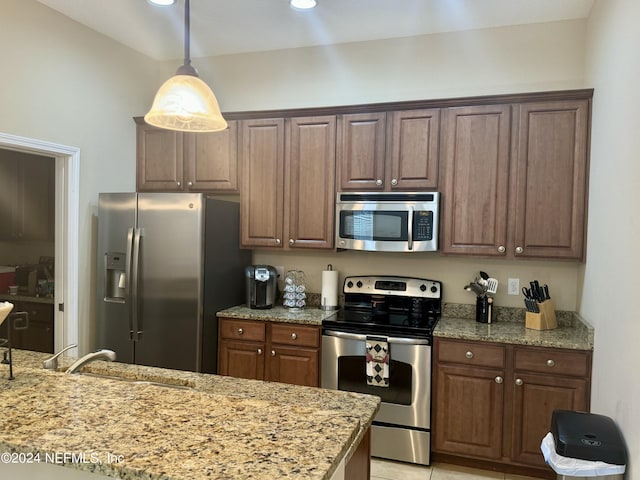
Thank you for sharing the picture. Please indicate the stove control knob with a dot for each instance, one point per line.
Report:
(423, 287)
(434, 289)
(359, 284)
(350, 284)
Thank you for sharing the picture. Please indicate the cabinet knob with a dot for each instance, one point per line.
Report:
(240, 331)
(292, 241)
(277, 241)
(378, 182)
(501, 249)
(469, 354)
(189, 184)
(273, 353)
(294, 336)
(551, 363)
(179, 183)
(519, 381)
(259, 351)
(519, 249)
(394, 182)
(499, 379)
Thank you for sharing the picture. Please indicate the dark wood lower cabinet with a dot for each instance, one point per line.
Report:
(493, 402)
(277, 352)
(39, 334)
(359, 465)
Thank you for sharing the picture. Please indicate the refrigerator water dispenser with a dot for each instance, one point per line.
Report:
(115, 277)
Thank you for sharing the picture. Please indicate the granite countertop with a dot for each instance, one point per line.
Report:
(218, 428)
(458, 321)
(305, 316)
(5, 297)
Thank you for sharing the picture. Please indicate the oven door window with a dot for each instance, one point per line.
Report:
(377, 225)
(352, 377)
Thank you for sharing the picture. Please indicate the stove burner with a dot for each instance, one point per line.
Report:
(393, 306)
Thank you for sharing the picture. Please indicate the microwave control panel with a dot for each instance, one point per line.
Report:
(422, 226)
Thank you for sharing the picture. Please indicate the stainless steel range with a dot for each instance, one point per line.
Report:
(380, 344)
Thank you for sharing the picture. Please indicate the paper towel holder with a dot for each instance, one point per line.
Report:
(323, 299)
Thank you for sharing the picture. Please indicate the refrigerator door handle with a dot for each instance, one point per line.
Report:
(135, 264)
(128, 293)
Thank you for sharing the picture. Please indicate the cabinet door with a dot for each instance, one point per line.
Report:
(310, 177)
(212, 160)
(469, 411)
(361, 155)
(241, 359)
(36, 191)
(535, 398)
(298, 366)
(160, 161)
(8, 197)
(551, 179)
(413, 157)
(262, 189)
(476, 143)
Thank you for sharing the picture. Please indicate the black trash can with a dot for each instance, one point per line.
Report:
(587, 445)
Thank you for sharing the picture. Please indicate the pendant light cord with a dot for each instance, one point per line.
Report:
(187, 28)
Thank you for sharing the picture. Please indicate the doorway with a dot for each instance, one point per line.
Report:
(67, 183)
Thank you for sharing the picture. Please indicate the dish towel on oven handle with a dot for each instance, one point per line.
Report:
(377, 359)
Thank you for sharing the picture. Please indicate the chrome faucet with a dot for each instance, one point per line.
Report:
(107, 355)
(52, 363)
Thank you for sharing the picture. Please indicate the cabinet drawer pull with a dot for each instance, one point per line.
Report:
(519, 381)
(551, 363)
(277, 241)
(294, 336)
(189, 184)
(519, 249)
(240, 331)
(378, 182)
(501, 249)
(292, 241)
(499, 379)
(273, 353)
(469, 354)
(259, 351)
(178, 184)
(394, 182)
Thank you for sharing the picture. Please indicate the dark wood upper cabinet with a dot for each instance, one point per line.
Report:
(387, 151)
(475, 160)
(170, 161)
(551, 179)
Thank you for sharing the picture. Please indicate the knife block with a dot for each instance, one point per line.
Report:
(545, 320)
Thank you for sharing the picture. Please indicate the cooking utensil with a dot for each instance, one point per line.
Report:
(484, 275)
(492, 286)
(477, 288)
(546, 292)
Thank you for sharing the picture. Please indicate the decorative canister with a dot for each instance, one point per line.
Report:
(295, 290)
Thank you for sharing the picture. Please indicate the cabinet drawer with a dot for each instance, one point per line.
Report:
(293, 334)
(471, 353)
(549, 360)
(242, 330)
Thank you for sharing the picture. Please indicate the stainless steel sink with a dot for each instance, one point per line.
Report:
(136, 381)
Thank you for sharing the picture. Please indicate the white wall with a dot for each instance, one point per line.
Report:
(613, 262)
(65, 84)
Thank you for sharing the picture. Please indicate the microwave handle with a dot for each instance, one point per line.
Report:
(410, 228)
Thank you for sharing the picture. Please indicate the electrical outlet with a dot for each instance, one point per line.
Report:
(280, 272)
(513, 286)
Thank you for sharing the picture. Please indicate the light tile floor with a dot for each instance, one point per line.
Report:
(389, 470)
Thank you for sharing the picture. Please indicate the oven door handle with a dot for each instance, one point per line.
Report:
(397, 340)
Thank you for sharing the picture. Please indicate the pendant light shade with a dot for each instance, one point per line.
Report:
(184, 102)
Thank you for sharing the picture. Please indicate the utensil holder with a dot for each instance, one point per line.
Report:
(483, 309)
(545, 320)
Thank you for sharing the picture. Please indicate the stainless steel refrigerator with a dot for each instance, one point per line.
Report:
(167, 262)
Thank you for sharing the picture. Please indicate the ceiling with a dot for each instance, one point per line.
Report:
(220, 27)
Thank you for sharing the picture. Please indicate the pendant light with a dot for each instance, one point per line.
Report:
(184, 102)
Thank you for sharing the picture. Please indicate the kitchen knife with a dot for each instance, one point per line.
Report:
(546, 292)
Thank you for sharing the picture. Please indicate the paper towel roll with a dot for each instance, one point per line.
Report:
(329, 299)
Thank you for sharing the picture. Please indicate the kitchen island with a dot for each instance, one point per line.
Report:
(151, 423)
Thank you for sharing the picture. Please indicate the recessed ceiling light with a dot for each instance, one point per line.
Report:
(162, 2)
(303, 4)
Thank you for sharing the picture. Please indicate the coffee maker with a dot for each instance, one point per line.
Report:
(262, 286)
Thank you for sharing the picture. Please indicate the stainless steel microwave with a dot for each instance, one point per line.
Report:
(387, 221)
